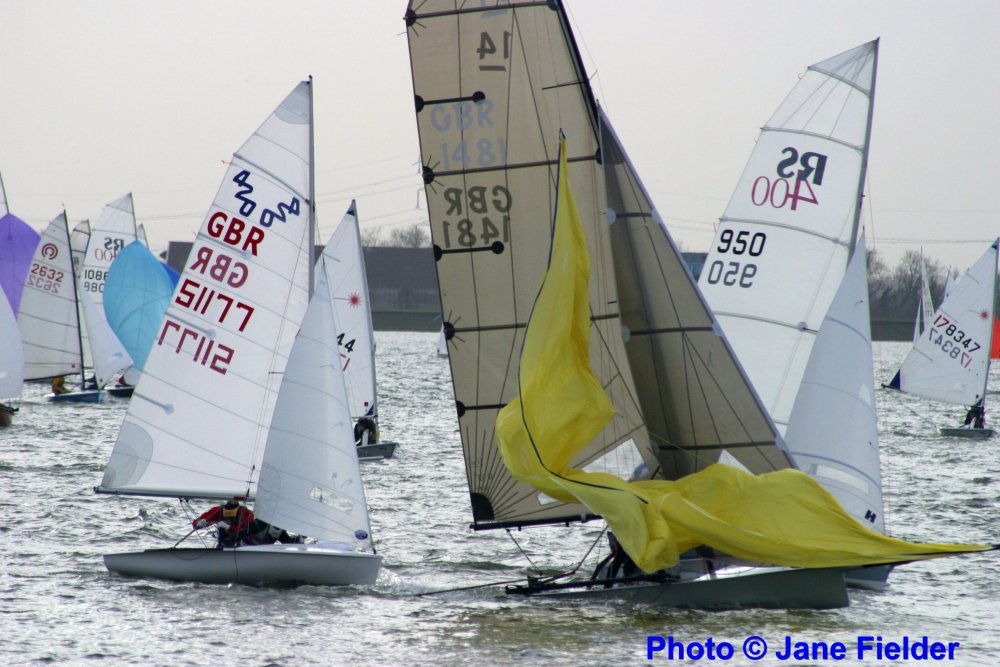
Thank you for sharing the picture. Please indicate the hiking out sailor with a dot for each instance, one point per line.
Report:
(232, 520)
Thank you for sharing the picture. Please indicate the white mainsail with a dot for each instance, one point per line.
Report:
(11, 353)
(114, 230)
(78, 242)
(49, 317)
(343, 263)
(833, 432)
(198, 419)
(310, 479)
(783, 243)
(951, 360)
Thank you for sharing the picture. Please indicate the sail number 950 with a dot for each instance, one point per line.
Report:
(740, 272)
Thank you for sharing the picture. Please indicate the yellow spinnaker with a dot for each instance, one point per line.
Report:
(782, 518)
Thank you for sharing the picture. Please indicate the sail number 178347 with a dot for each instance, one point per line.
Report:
(952, 340)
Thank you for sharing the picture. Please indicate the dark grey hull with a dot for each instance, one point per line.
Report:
(975, 433)
(768, 588)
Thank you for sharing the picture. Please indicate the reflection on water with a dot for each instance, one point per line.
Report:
(61, 605)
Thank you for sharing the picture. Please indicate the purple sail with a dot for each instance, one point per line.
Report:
(17, 246)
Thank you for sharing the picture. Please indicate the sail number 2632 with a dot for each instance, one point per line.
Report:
(739, 271)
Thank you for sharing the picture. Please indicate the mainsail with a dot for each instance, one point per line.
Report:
(18, 242)
(49, 317)
(791, 225)
(343, 263)
(494, 86)
(198, 419)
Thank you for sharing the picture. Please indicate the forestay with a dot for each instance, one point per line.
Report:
(310, 481)
(833, 432)
(951, 360)
(49, 319)
(343, 262)
(198, 419)
(783, 243)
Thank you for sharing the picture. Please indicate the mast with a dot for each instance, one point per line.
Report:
(312, 191)
(76, 301)
(864, 154)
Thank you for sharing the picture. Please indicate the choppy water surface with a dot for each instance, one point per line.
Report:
(59, 605)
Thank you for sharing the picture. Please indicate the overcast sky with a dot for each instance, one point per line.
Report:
(99, 98)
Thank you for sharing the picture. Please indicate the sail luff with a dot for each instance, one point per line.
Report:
(863, 173)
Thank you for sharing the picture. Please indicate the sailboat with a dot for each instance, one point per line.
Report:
(442, 344)
(925, 307)
(113, 230)
(951, 361)
(784, 267)
(137, 292)
(488, 120)
(50, 316)
(242, 394)
(343, 263)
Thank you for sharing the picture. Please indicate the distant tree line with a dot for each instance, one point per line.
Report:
(414, 236)
(895, 292)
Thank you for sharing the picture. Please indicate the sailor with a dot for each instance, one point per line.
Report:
(59, 385)
(232, 520)
(261, 532)
(365, 425)
(976, 415)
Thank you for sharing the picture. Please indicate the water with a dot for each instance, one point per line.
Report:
(59, 605)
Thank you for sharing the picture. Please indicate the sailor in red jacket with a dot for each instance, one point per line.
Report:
(232, 520)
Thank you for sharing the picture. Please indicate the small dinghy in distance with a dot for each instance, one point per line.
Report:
(343, 264)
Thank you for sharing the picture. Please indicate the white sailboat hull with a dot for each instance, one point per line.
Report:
(252, 565)
(767, 588)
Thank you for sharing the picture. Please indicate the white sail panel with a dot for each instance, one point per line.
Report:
(109, 355)
(310, 480)
(926, 302)
(494, 89)
(709, 410)
(78, 241)
(114, 230)
(833, 432)
(790, 224)
(198, 418)
(343, 262)
(11, 352)
(49, 317)
(951, 360)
